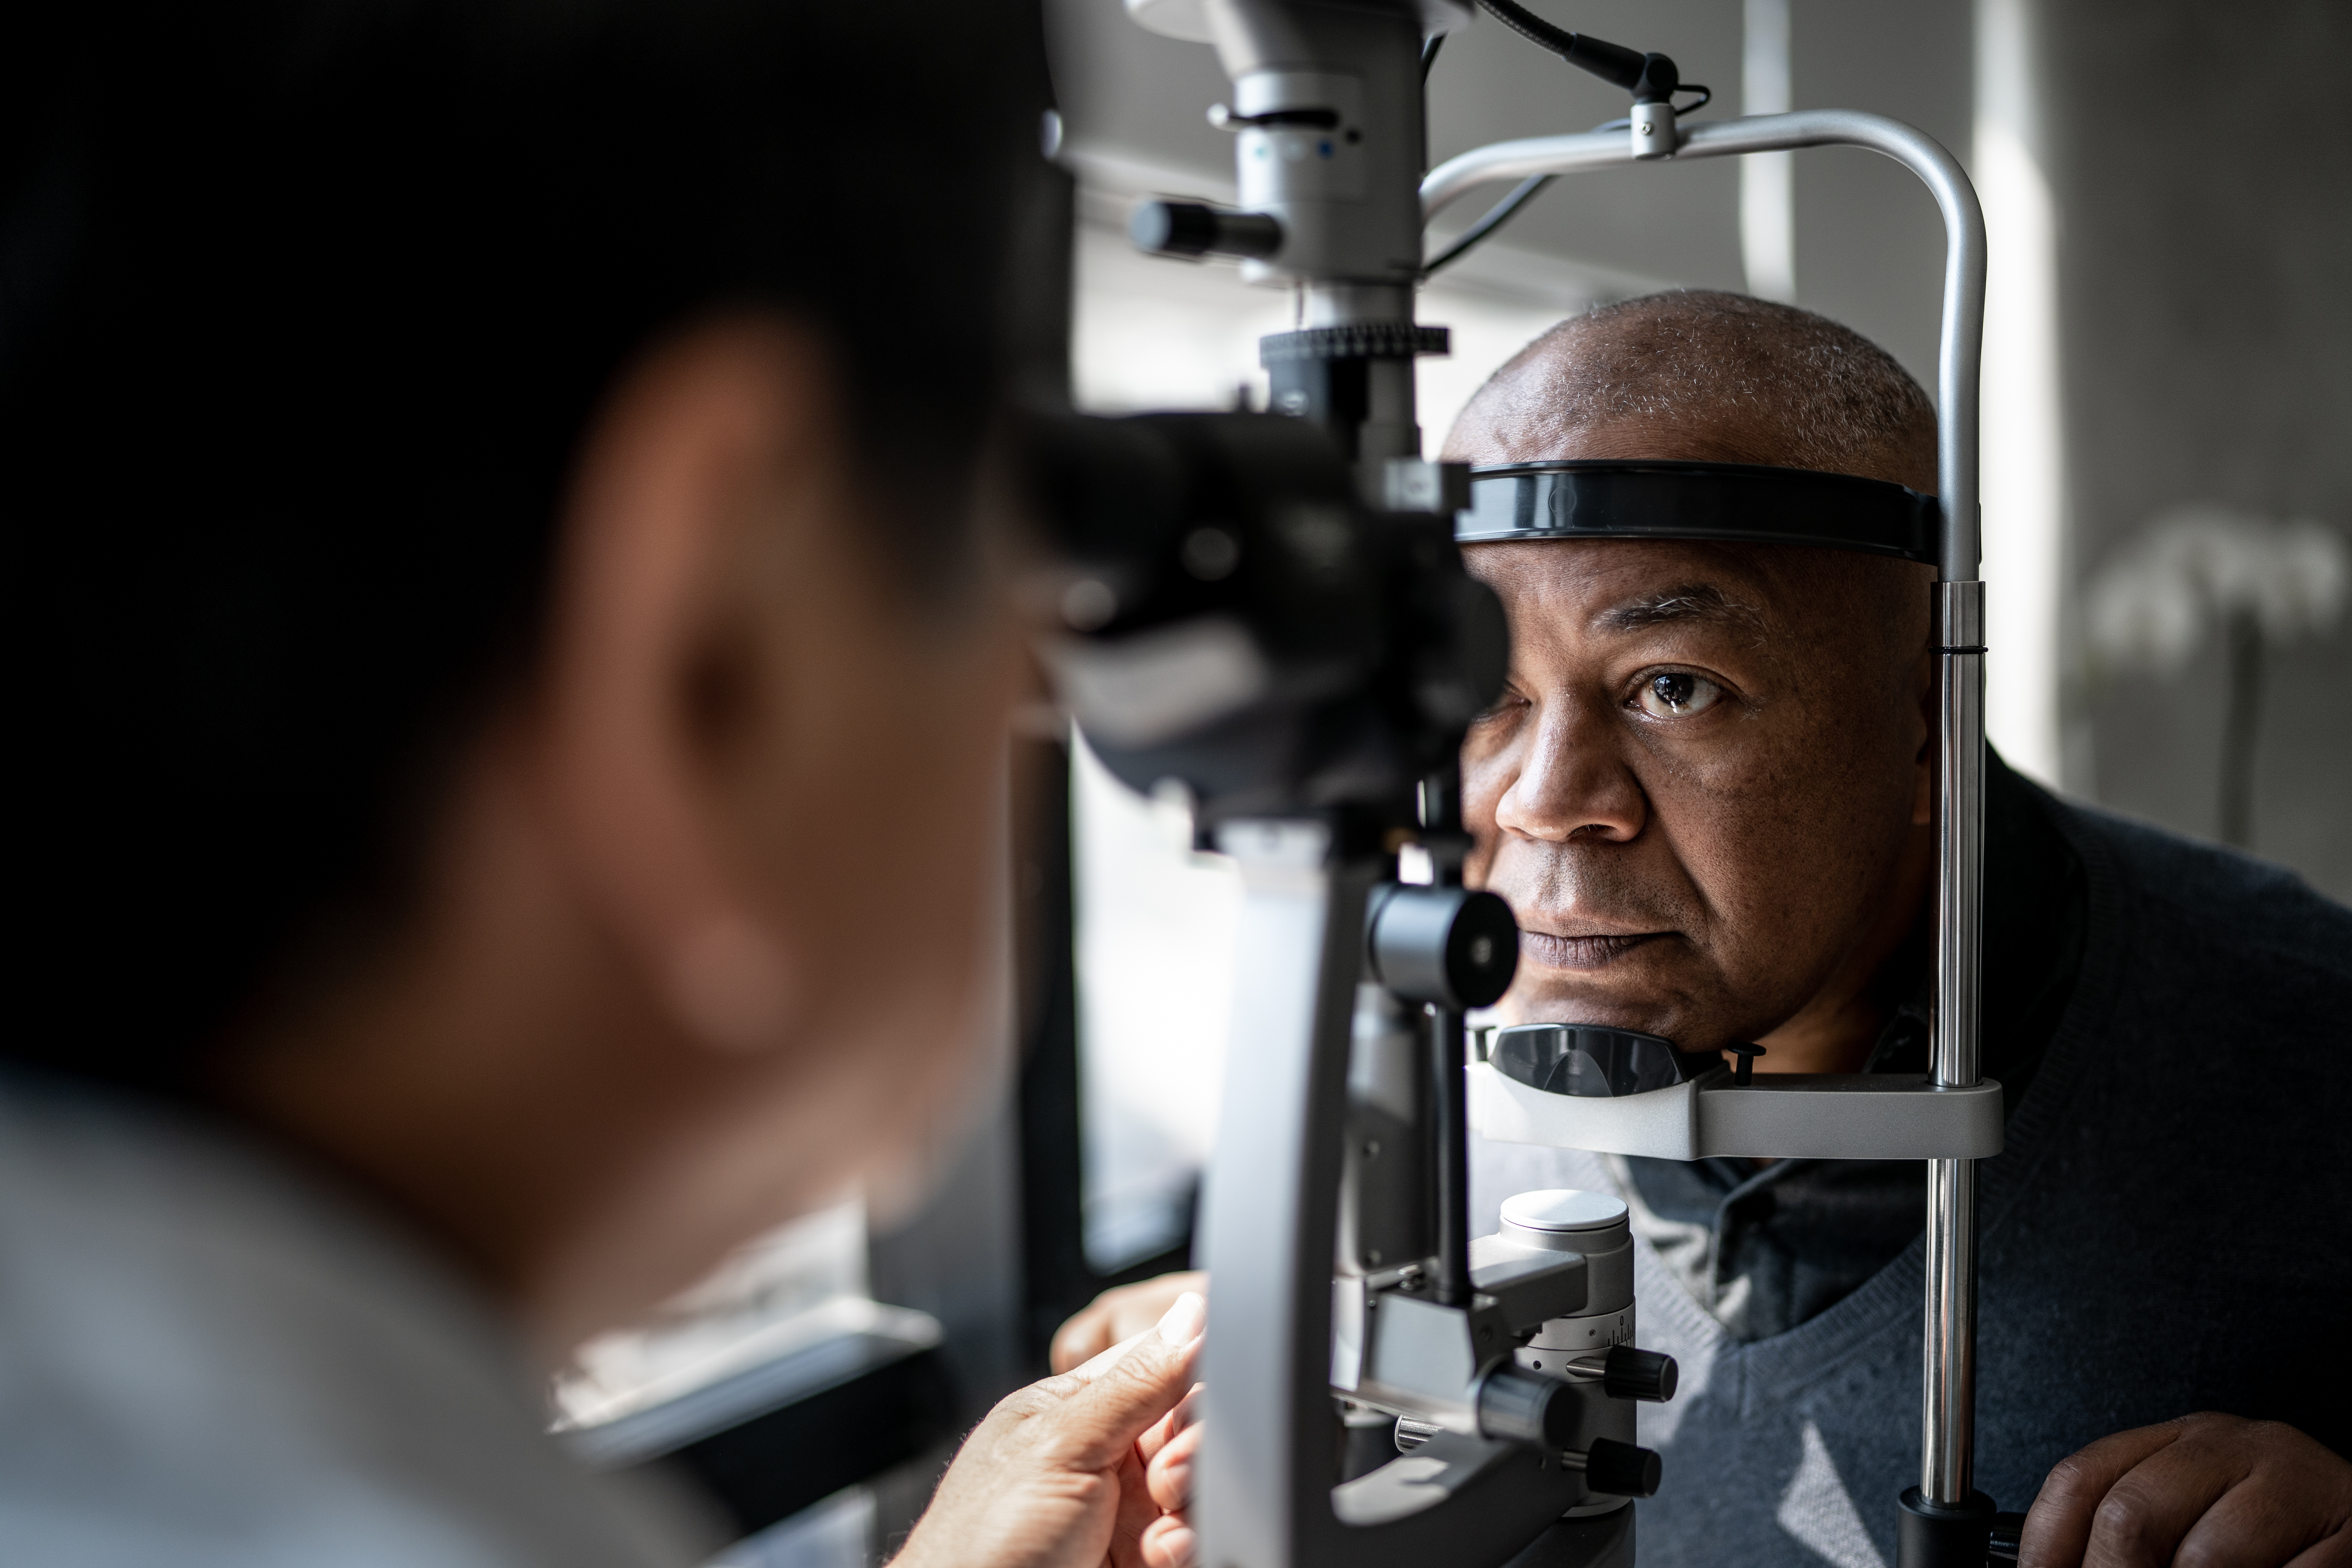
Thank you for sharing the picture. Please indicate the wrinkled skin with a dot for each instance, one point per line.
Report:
(1120, 1313)
(1054, 1478)
(2204, 1491)
(1741, 870)
(1703, 789)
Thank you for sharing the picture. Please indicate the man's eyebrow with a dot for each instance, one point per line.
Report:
(1690, 602)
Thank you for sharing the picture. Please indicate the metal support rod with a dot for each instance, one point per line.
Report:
(1449, 1102)
(1267, 1211)
(1959, 828)
(1947, 1406)
(1450, 1124)
(1948, 1401)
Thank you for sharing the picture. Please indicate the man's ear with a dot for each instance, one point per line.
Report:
(719, 430)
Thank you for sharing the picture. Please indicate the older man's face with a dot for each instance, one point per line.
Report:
(1701, 791)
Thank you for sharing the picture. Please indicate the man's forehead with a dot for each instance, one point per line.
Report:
(1622, 586)
(1513, 430)
(1707, 378)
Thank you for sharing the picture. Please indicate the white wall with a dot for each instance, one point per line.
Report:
(2204, 358)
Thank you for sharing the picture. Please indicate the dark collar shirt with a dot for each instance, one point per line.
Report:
(1765, 1247)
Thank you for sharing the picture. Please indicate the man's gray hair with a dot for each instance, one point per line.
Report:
(1769, 382)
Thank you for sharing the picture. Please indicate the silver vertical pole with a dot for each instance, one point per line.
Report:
(1948, 1415)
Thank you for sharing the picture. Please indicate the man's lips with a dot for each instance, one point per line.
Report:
(1597, 952)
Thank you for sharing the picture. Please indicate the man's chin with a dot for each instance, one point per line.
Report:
(1637, 989)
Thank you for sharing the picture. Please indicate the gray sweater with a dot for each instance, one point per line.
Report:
(2165, 1233)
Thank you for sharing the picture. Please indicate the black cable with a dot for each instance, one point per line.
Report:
(1429, 48)
(1613, 62)
(1497, 216)
(1634, 71)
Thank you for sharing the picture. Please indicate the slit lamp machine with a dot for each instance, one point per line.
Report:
(1272, 610)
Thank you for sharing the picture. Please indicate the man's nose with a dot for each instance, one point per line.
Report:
(1574, 785)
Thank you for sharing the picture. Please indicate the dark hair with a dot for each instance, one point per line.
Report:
(304, 306)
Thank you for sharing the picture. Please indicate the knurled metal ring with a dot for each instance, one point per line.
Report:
(1362, 340)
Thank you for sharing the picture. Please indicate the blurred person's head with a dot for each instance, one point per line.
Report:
(1704, 790)
(506, 655)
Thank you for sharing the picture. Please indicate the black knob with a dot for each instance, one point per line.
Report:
(1191, 229)
(1621, 1469)
(1521, 1408)
(1445, 945)
(1746, 1055)
(2007, 1531)
(1639, 1375)
(1411, 1434)
(1659, 80)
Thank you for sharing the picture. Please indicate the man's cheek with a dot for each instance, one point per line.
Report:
(1477, 867)
(1483, 785)
(1515, 872)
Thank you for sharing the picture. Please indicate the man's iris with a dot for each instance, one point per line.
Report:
(1677, 695)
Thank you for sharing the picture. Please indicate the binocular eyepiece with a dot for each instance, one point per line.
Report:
(1234, 615)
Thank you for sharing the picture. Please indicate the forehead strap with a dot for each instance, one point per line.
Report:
(1739, 504)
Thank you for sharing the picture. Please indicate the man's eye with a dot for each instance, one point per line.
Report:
(1503, 705)
(1677, 696)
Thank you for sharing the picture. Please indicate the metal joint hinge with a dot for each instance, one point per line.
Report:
(1960, 617)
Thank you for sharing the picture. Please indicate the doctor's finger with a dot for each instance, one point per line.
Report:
(1100, 1421)
(1170, 1544)
(1117, 1315)
(1169, 1474)
(1160, 1433)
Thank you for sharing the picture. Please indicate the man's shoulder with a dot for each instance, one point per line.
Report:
(2227, 902)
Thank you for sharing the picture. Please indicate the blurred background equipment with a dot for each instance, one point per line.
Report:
(2204, 584)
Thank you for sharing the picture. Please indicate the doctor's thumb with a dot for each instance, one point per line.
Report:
(1129, 1388)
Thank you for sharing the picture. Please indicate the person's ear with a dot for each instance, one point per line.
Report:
(728, 428)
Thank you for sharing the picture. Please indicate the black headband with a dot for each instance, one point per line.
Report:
(1740, 502)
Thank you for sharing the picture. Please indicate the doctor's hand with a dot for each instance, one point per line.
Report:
(1168, 1451)
(2211, 1490)
(1119, 1314)
(1053, 1479)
